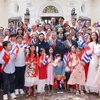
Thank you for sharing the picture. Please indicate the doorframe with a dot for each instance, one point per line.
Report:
(41, 14)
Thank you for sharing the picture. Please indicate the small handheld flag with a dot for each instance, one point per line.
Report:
(6, 58)
(1, 48)
(66, 58)
(55, 84)
(45, 60)
(86, 58)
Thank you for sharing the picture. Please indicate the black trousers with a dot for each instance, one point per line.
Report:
(19, 77)
(1, 78)
(8, 83)
(67, 74)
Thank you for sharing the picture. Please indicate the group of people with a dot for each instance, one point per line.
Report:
(59, 55)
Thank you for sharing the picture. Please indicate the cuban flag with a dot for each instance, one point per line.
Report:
(86, 58)
(33, 41)
(24, 46)
(66, 58)
(45, 60)
(84, 23)
(81, 42)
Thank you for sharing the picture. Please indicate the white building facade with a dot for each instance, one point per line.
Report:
(45, 9)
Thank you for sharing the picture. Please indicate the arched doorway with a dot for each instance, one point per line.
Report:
(47, 11)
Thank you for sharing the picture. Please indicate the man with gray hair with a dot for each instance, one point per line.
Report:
(58, 45)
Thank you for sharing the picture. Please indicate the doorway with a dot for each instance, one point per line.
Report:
(48, 19)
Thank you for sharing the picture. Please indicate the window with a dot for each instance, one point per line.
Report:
(83, 8)
(50, 9)
(16, 7)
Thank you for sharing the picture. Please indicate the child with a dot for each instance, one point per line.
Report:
(78, 74)
(81, 41)
(1, 51)
(8, 71)
(50, 73)
(42, 71)
(71, 64)
(31, 70)
(67, 69)
(19, 65)
(59, 72)
(13, 39)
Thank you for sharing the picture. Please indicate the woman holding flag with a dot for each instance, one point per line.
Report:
(90, 87)
(97, 78)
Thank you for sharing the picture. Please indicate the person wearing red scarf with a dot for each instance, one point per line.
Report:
(1, 49)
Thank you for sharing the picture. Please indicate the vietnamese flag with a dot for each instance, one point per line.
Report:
(55, 84)
(17, 49)
(6, 57)
(1, 48)
(34, 28)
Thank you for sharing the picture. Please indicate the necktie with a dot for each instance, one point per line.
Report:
(53, 43)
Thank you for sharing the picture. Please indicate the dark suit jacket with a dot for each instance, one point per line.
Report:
(59, 48)
(61, 39)
(43, 45)
(68, 48)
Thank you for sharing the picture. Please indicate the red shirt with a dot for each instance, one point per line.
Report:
(33, 62)
(42, 69)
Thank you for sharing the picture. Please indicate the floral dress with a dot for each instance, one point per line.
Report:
(78, 72)
(31, 72)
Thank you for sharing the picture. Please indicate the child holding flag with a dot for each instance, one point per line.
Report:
(43, 62)
(1, 51)
(20, 51)
(50, 68)
(59, 73)
(31, 72)
(8, 71)
(78, 73)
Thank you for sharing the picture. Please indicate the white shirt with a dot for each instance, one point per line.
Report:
(10, 67)
(1, 55)
(41, 32)
(6, 38)
(20, 59)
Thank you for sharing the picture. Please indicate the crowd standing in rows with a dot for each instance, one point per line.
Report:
(58, 55)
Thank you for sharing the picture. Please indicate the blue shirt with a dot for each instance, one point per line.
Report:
(60, 69)
(13, 30)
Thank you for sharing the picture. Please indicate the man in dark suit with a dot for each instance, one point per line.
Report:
(59, 48)
(61, 35)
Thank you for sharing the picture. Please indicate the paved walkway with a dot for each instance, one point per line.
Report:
(55, 96)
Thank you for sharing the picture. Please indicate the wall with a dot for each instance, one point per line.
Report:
(3, 13)
(64, 6)
(96, 10)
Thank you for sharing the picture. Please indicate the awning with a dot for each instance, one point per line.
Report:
(15, 19)
(84, 18)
